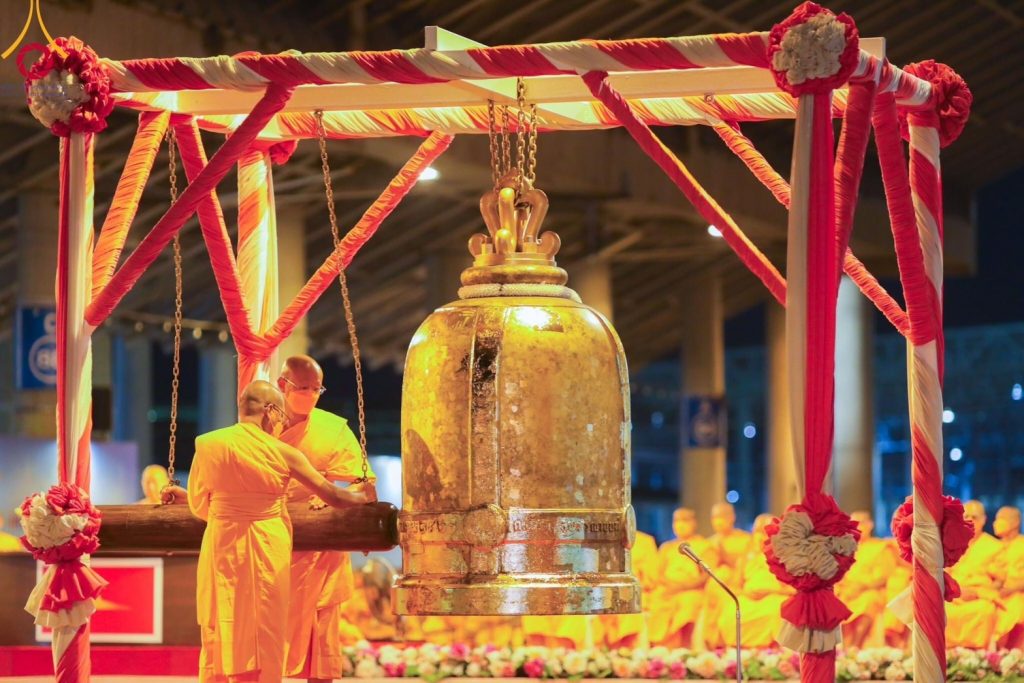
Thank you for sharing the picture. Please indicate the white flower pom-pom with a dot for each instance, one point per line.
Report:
(53, 97)
(804, 552)
(43, 529)
(811, 49)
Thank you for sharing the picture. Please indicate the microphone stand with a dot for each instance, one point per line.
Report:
(685, 549)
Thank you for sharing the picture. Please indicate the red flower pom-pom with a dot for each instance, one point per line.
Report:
(69, 93)
(955, 530)
(951, 98)
(813, 50)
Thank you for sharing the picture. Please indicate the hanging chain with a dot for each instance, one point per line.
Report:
(350, 321)
(531, 162)
(492, 139)
(506, 142)
(172, 441)
(520, 135)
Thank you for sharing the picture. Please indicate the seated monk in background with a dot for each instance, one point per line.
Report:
(731, 546)
(895, 632)
(1010, 577)
(154, 480)
(573, 632)
(678, 599)
(863, 589)
(761, 596)
(971, 619)
(238, 484)
(630, 630)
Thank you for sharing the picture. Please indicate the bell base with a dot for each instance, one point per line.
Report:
(513, 596)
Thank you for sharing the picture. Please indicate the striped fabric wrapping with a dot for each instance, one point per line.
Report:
(925, 370)
(74, 359)
(257, 255)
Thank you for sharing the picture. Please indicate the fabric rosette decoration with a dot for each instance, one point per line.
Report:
(61, 526)
(811, 547)
(951, 98)
(67, 89)
(813, 50)
(955, 533)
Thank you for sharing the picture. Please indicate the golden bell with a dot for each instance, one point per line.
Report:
(515, 439)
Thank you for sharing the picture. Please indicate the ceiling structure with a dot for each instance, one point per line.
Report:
(607, 200)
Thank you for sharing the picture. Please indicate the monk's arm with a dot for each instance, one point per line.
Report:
(306, 474)
(198, 493)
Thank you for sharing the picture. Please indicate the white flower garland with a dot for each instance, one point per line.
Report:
(43, 529)
(53, 97)
(804, 552)
(811, 49)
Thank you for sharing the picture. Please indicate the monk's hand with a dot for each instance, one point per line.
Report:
(173, 495)
(367, 488)
(316, 503)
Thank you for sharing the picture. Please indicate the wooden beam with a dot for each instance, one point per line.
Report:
(168, 529)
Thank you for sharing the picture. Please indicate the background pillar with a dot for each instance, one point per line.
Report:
(132, 384)
(853, 462)
(703, 365)
(782, 485)
(218, 383)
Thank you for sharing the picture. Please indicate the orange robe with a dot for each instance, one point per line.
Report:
(9, 543)
(571, 632)
(237, 484)
(731, 551)
(761, 596)
(972, 623)
(630, 630)
(679, 596)
(321, 580)
(863, 589)
(1010, 574)
(897, 634)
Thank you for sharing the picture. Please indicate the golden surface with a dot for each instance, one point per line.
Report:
(515, 447)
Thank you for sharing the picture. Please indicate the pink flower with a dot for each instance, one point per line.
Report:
(534, 668)
(677, 671)
(394, 669)
(730, 669)
(488, 649)
(656, 668)
(994, 660)
(459, 651)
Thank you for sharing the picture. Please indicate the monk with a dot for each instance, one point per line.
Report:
(761, 596)
(678, 599)
(1010, 577)
(573, 632)
(154, 481)
(896, 633)
(238, 484)
(971, 620)
(863, 589)
(731, 547)
(630, 630)
(321, 580)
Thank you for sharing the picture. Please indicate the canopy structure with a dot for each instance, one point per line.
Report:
(813, 67)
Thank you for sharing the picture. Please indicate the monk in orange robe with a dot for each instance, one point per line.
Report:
(896, 633)
(572, 632)
(678, 600)
(761, 596)
(630, 630)
(238, 484)
(1010, 577)
(972, 619)
(731, 547)
(863, 589)
(321, 580)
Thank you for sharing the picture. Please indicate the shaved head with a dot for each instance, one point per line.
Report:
(303, 371)
(760, 522)
(864, 522)
(255, 397)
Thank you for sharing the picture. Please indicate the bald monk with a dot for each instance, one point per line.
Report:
(321, 580)
(971, 619)
(630, 630)
(761, 596)
(731, 547)
(238, 484)
(1010, 577)
(863, 589)
(678, 598)
(154, 480)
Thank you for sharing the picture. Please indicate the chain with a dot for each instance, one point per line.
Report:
(520, 135)
(172, 441)
(506, 142)
(492, 139)
(531, 167)
(350, 321)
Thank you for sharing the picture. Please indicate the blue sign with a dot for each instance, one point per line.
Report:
(36, 348)
(705, 422)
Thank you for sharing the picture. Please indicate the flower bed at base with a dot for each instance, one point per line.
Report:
(434, 663)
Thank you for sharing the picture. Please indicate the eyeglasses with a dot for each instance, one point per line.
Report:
(319, 390)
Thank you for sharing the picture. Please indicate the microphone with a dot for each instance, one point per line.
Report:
(687, 549)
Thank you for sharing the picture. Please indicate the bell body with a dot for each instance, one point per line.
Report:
(516, 462)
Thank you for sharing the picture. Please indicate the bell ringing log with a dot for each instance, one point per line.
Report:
(515, 435)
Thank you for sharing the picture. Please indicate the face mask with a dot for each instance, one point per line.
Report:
(720, 525)
(301, 403)
(1001, 527)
